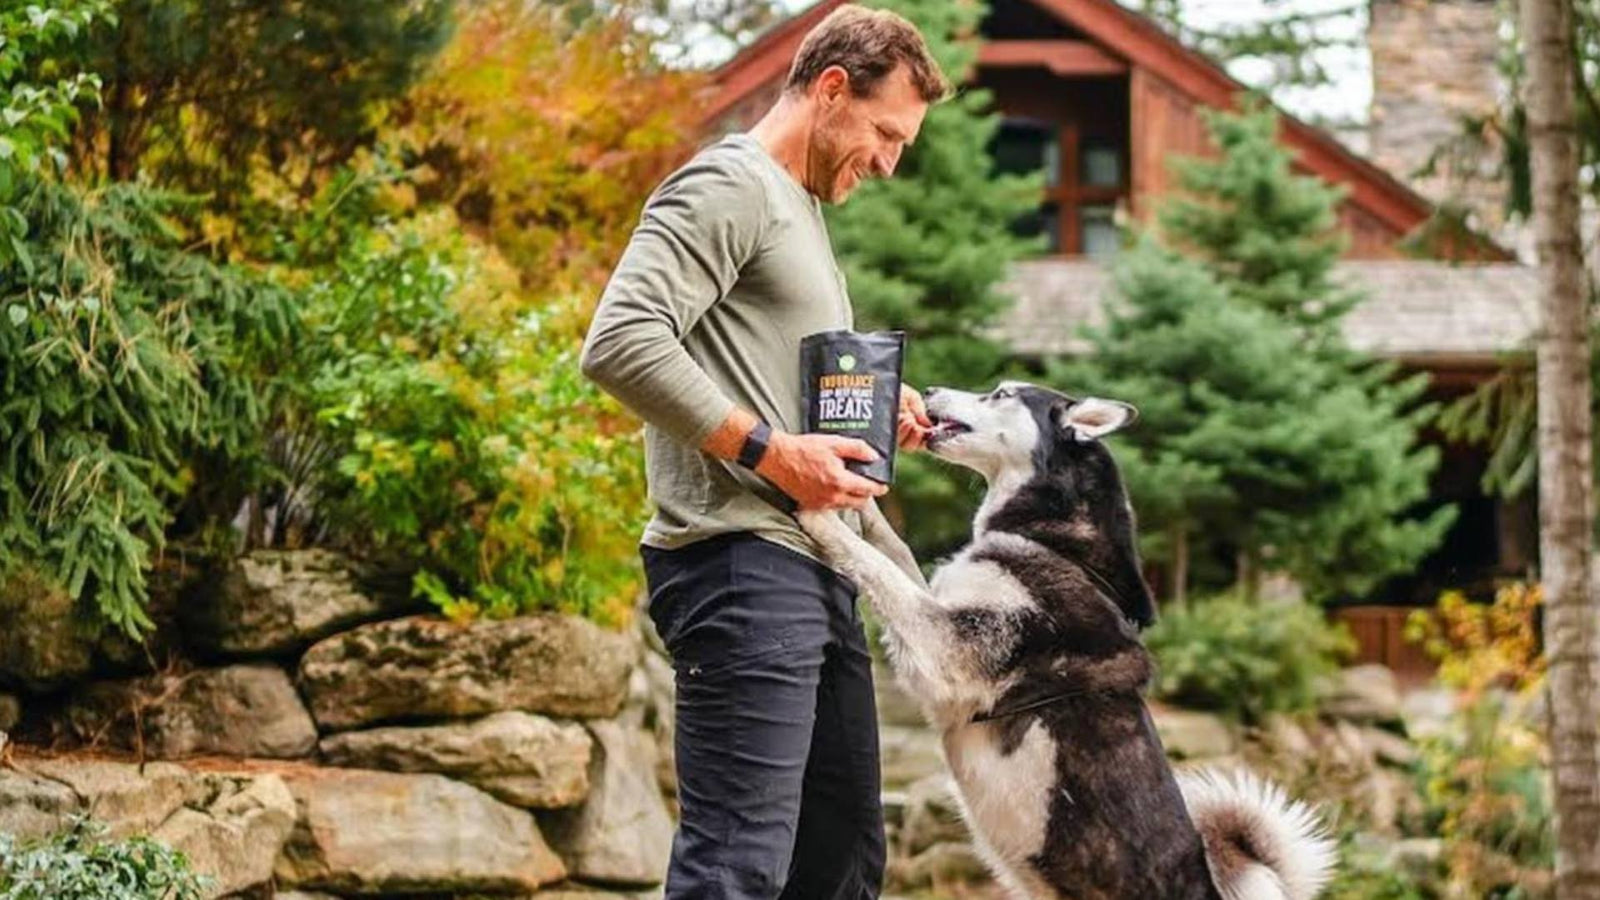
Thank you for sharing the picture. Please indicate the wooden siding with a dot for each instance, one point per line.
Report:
(747, 111)
(1167, 123)
(1165, 87)
(767, 60)
(1370, 237)
(1380, 638)
(1064, 58)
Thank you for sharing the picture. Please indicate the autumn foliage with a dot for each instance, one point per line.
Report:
(1480, 646)
(482, 451)
(421, 204)
(548, 134)
(1484, 779)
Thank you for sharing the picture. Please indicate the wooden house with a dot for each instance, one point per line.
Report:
(1101, 98)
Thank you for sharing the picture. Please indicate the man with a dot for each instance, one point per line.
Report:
(699, 332)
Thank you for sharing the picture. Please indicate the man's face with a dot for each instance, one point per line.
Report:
(860, 137)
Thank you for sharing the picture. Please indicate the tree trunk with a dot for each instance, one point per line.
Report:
(1180, 564)
(1247, 571)
(1572, 617)
(117, 115)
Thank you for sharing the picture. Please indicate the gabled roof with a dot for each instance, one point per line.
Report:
(1423, 312)
(1143, 44)
(767, 57)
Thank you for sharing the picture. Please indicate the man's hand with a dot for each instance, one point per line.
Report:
(914, 423)
(810, 468)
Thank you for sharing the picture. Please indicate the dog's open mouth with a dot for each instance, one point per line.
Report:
(946, 428)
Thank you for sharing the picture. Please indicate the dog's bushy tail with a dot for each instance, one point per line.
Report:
(1261, 844)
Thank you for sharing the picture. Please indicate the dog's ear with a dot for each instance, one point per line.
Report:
(1093, 418)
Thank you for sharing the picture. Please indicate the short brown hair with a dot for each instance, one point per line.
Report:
(868, 44)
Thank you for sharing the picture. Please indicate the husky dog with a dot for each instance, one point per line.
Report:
(1024, 652)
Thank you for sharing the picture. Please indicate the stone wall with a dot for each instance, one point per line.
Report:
(308, 740)
(301, 736)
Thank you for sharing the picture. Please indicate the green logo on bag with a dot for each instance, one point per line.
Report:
(846, 362)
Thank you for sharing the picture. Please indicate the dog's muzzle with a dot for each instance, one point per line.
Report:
(945, 429)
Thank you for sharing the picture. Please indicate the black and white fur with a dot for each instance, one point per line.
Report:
(1024, 652)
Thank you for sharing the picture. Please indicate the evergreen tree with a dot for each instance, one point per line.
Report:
(1269, 237)
(1261, 432)
(924, 251)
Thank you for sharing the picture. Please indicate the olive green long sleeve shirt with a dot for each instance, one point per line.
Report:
(729, 267)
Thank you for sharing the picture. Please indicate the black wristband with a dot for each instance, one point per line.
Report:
(755, 446)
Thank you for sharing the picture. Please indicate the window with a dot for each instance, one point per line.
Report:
(1085, 177)
(1024, 145)
(1098, 229)
(1045, 220)
(1102, 164)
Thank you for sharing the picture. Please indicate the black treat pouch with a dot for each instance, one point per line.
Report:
(851, 383)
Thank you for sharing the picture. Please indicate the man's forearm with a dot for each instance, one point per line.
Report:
(695, 235)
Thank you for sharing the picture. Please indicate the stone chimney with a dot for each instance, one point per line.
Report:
(1433, 62)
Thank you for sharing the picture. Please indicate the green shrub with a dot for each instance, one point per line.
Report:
(123, 355)
(1485, 779)
(39, 101)
(466, 436)
(1486, 792)
(124, 358)
(1362, 874)
(80, 863)
(1245, 658)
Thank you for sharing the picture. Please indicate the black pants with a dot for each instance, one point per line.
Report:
(777, 734)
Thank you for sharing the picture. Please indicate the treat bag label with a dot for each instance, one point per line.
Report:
(852, 387)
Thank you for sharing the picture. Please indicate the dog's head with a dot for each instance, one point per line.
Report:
(1021, 428)
(1043, 449)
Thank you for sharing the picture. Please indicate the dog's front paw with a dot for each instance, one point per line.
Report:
(827, 529)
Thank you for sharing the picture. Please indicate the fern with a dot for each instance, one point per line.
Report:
(123, 357)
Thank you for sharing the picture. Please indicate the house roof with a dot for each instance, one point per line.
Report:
(1142, 43)
(1417, 311)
